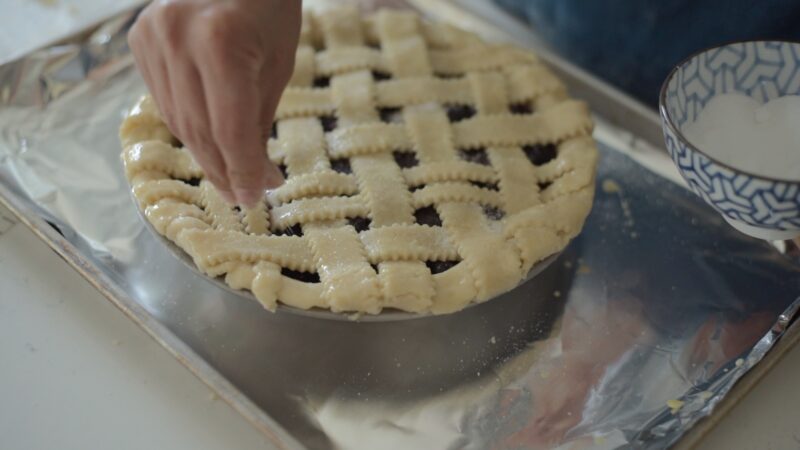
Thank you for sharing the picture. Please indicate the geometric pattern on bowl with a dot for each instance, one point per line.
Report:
(763, 70)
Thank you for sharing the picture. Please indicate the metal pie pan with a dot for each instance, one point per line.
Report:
(386, 315)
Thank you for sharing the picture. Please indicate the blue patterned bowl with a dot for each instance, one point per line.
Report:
(764, 207)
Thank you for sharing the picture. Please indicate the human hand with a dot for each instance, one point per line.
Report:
(217, 69)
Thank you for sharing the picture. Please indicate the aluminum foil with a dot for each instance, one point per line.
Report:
(634, 333)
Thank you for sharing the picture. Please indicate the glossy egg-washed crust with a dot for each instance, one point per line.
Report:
(429, 67)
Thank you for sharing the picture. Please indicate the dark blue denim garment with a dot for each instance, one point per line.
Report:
(634, 43)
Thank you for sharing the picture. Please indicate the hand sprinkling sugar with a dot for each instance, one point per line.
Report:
(217, 69)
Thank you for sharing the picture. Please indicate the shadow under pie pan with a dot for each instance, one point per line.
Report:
(387, 315)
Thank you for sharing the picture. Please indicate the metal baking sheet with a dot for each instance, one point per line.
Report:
(634, 333)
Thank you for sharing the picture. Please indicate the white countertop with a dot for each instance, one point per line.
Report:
(77, 374)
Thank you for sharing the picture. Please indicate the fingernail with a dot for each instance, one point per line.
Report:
(247, 197)
(274, 177)
(227, 196)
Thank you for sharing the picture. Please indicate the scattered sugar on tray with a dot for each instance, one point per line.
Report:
(760, 138)
(492, 340)
(675, 405)
(626, 212)
(556, 294)
(739, 362)
(610, 186)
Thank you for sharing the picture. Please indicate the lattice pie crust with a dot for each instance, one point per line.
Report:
(426, 170)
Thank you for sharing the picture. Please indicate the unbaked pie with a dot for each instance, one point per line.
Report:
(425, 170)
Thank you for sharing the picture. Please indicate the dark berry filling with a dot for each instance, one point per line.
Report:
(477, 156)
(328, 123)
(540, 154)
(457, 113)
(490, 186)
(440, 266)
(341, 165)
(405, 159)
(390, 115)
(306, 277)
(360, 223)
(380, 76)
(521, 108)
(194, 181)
(284, 170)
(322, 82)
(428, 216)
(493, 213)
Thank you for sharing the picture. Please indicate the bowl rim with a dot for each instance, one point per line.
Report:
(662, 108)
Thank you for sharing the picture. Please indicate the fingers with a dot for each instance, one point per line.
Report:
(229, 73)
(158, 42)
(155, 39)
(237, 128)
(193, 122)
(195, 126)
(217, 70)
(152, 66)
